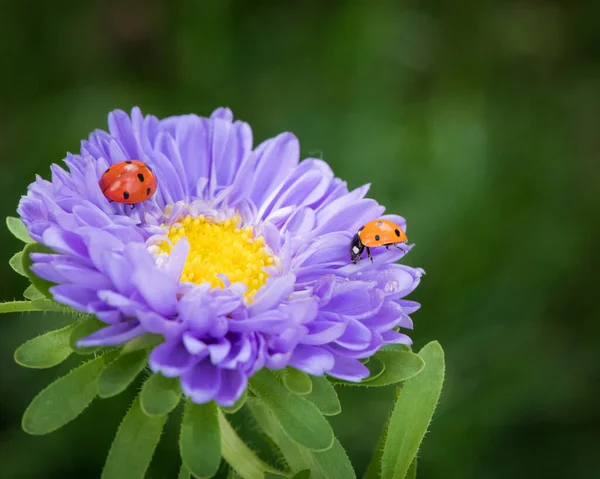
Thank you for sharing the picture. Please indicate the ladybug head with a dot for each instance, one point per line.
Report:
(356, 248)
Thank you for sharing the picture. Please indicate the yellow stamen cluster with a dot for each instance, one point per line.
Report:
(221, 248)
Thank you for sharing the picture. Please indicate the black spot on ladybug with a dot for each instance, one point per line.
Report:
(126, 195)
(148, 190)
(376, 237)
(107, 170)
(361, 228)
(379, 223)
(141, 177)
(397, 231)
(128, 162)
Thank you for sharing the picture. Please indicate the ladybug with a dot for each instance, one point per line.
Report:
(373, 234)
(128, 182)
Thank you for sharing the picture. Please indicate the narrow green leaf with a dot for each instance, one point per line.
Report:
(160, 395)
(64, 399)
(119, 374)
(305, 474)
(145, 341)
(300, 419)
(412, 414)
(399, 366)
(18, 307)
(183, 473)
(272, 475)
(133, 447)
(238, 404)
(296, 381)
(83, 328)
(16, 263)
(412, 470)
(32, 293)
(45, 351)
(200, 439)
(324, 396)
(239, 456)
(42, 285)
(18, 229)
(332, 463)
(374, 469)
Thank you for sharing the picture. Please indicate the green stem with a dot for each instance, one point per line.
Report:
(239, 456)
(20, 307)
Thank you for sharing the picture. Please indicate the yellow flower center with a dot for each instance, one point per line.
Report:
(221, 248)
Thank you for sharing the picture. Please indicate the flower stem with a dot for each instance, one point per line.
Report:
(20, 307)
(239, 456)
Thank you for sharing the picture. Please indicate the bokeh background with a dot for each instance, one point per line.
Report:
(477, 121)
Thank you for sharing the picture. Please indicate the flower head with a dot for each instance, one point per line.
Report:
(239, 261)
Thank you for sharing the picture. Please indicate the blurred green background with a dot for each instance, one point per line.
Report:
(477, 121)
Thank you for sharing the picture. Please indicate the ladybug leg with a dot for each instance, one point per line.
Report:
(400, 248)
(132, 206)
(387, 246)
(369, 254)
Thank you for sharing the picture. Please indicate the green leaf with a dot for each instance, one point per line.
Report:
(238, 455)
(133, 447)
(296, 381)
(32, 293)
(272, 475)
(238, 404)
(412, 470)
(83, 328)
(328, 464)
(200, 439)
(42, 285)
(64, 399)
(399, 366)
(45, 351)
(412, 414)
(16, 263)
(324, 396)
(18, 229)
(160, 395)
(300, 419)
(121, 373)
(183, 473)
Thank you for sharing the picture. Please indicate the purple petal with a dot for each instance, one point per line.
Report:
(78, 297)
(171, 359)
(394, 337)
(349, 369)
(409, 307)
(275, 159)
(113, 335)
(202, 382)
(356, 336)
(268, 322)
(386, 318)
(323, 332)
(311, 359)
(358, 299)
(272, 293)
(233, 383)
(157, 324)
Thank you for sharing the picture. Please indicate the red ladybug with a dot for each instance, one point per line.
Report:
(128, 182)
(376, 233)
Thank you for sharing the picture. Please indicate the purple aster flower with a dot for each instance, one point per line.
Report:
(239, 261)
